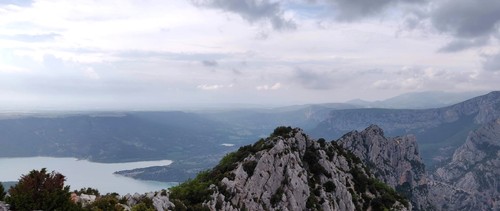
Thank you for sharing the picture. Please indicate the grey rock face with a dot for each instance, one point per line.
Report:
(297, 173)
(471, 181)
(3, 207)
(395, 161)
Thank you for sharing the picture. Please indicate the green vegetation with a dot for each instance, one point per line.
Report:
(350, 157)
(105, 203)
(282, 131)
(312, 203)
(404, 189)
(385, 196)
(88, 191)
(40, 190)
(194, 191)
(249, 167)
(276, 197)
(2, 192)
(142, 207)
(329, 186)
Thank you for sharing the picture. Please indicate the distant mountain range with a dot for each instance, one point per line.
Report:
(439, 131)
(418, 100)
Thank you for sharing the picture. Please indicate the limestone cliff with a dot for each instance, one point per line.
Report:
(394, 161)
(289, 171)
(471, 181)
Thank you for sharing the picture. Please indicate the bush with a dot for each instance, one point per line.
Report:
(40, 190)
(281, 131)
(321, 142)
(142, 207)
(88, 191)
(329, 186)
(2, 192)
(312, 203)
(276, 197)
(193, 192)
(106, 202)
(249, 167)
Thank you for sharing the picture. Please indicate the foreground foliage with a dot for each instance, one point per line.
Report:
(40, 190)
(2, 192)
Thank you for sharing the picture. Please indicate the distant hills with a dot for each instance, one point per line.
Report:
(439, 131)
(115, 137)
(418, 100)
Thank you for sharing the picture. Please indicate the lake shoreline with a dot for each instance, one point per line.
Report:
(82, 173)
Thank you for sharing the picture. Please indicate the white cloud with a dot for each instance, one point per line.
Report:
(90, 73)
(269, 87)
(213, 86)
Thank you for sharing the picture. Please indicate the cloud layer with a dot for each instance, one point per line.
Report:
(160, 55)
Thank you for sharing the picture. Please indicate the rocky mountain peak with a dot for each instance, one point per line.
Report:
(289, 171)
(395, 161)
(373, 130)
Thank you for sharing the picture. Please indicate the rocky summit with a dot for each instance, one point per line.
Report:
(288, 171)
(394, 161)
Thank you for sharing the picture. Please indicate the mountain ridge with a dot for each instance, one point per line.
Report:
(439, 130)
(288, 171)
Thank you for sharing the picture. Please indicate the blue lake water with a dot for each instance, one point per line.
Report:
(83, 173)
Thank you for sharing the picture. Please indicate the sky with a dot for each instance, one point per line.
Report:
(128, 54)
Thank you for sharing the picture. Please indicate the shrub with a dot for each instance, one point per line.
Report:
(2, 192)
(249, 167)
(312, 202)
(321, 142)
(281, 131)
(329, 186)
(142, 207)
(276, 197)
(40, 190)
(88, 191)
(194, 191)
(106, 202)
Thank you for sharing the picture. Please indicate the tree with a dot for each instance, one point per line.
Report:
(2, 192)
(40, 190)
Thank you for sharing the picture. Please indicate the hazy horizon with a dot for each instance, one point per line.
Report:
(157, 55)
(457, 98)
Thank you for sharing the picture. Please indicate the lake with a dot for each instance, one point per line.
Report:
(83, 173)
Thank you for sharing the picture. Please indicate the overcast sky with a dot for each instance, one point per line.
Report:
(166, 54)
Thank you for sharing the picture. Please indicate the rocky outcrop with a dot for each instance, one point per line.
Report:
(471, 181)
(394, 161)
(3, 206)
(160, 200)
(83, 199)
(290, 171)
